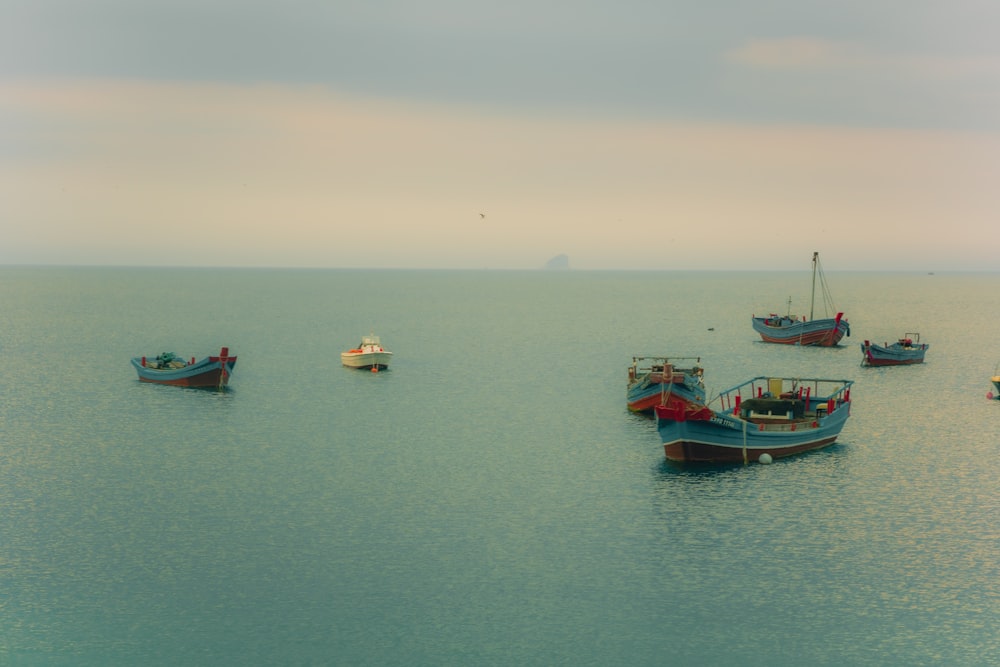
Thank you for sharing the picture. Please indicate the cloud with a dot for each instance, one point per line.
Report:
(110, 171)
(815, 54)
(798, 53)
(809, 78)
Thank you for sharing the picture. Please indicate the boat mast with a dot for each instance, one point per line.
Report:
(812, 300)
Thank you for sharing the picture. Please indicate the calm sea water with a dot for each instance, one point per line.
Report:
(488, 500)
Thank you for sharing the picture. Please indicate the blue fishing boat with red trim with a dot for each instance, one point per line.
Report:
(168, 368)
(792, 330)
(762, 419)
(904, 351)
(996, 384)
(656, 381)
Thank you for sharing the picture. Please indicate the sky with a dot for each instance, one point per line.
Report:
(461, 134)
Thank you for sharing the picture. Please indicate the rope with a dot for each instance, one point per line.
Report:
(744, 442)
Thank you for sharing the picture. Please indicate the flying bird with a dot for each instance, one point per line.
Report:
(482, 216)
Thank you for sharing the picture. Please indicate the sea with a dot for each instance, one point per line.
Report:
(488, 499)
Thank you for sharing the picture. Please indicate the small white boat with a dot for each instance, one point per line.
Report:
(369, 354)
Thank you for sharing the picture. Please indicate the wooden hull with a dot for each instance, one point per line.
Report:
(821, 333)
(729, 439)
(209, 372)
(643, 396)
(892, 355)
(697, 452)
(645, 404)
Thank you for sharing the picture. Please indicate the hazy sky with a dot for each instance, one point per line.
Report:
(624, 133)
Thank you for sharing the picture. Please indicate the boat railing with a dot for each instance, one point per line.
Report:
(658, 369)
(660, 361)
(816, 393)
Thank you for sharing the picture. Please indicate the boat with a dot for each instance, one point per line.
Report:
(906, 350)
(996, 384)
(368, 354)
(168, 368)
(656, 381)
(761, 419)
(792, 330)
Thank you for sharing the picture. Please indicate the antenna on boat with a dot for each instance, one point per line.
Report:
(812, 299)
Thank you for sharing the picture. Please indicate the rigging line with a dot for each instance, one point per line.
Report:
(828, 303)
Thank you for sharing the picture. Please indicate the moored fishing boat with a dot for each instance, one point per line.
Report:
(996, 383)
(168, 368)
(761, 419)
(792, 330)
(368, 354)
(656, 381)
(904, 351)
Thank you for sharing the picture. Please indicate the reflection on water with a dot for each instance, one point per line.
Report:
(490, 500)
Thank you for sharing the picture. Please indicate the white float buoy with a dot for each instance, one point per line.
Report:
(764, 458)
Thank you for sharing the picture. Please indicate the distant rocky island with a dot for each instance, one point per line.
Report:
(558, 262)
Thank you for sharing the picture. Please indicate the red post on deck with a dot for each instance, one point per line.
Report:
(736, 410)
(144, 362)
(829, 406)
(224, 354)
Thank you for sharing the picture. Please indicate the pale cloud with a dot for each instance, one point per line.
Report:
(843, 81)
(815, 55)
(798, 53)
(135, 172)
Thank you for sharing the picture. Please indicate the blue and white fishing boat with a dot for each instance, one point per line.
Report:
(792, 330)
(656, 381)
(904, 351)
(759, 420)
(169, 368)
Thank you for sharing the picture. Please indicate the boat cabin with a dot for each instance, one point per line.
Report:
(772, 409)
